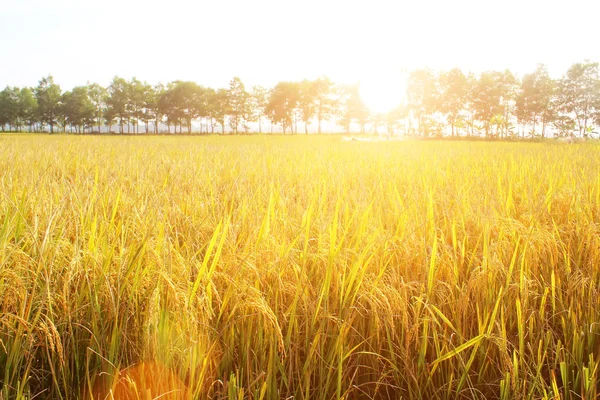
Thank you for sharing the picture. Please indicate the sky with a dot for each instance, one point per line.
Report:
(265, 41)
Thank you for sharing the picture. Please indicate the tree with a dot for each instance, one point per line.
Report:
(78, 108)
(377, 120)
(258, 103)
(359, 112)
(48, 96)
(152, 106)
(423, 96)
(201, 104)
(352, 108)
(564, 125)
(487, 99)
(97, 95)
(183, 102)
(147, 96)
(218, 108)
(28, 107)
(454, 92)
(396, 118)
(9, 107)
(324, 100)
(62, 115)
(283, 101)
(238, 103)
(341, 112)
(211, 105)
(306, 102)
(579, 95)
(535, 99)
(508, 86)
(109, 118)
(169, 107)
(118, 98)
(136, 91)
(470, 112)
(452, 102)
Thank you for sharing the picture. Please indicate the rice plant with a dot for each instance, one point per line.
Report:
(292, 267)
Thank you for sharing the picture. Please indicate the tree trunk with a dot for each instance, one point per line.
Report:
(543, 130)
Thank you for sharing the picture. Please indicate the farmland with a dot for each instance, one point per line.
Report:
(299, 267)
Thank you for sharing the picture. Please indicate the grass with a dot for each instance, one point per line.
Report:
(305, 268)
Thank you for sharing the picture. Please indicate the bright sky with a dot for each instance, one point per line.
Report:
(265, 41)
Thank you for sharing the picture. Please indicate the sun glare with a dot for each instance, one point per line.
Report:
(382, 90)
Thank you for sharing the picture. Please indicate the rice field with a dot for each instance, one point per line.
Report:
(298, 268)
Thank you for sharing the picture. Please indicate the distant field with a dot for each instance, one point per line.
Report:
(298, 267)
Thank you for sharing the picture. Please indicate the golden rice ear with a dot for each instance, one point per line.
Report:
(144, 381)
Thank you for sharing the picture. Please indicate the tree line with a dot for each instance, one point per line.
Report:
(490, 104)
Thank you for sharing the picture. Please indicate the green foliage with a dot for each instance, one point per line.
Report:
(98, 96)
(117, 102)
(454, 87)
(487, 98)
(48, 95)
(182, 103)
(283, 103)
(535, 103)
(323, 98)
(218, 107)
(579, 94)
(442, 103)
(257, 103)
(238, 104)
(78, 108)
(9, 107)
(423, 97)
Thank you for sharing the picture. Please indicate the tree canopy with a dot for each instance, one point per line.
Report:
(490, 104)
